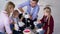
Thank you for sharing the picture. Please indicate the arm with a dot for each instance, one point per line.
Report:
(7, 25)
(48, 29)
(20, 7)
(51, 25)
(42, 20)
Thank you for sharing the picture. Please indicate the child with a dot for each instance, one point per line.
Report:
(48, 20)
(21, 23)
(15, 19)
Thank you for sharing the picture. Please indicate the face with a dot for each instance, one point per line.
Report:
(11, 9)
(33, 3)
(45, 12)
(16, 14)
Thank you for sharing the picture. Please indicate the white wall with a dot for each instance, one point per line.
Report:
(55, 10)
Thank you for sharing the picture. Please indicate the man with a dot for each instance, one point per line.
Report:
(32, 10)
(5, 20)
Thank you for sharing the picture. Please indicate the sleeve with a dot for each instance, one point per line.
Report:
(42, 20)
(23, 4)
(52, 24)
(7, 25)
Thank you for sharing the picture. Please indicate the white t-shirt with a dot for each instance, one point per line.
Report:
(31, 10)
(21, 24)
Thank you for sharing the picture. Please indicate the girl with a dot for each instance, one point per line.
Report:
(48, 20)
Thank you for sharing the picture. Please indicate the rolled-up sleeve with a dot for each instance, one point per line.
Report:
(7, 25)
(24, 4)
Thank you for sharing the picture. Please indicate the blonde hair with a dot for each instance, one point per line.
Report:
(48, 8)
(9, 3)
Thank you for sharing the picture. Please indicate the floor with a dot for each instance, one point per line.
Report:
(55, 5)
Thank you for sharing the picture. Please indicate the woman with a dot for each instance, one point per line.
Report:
(5, 20)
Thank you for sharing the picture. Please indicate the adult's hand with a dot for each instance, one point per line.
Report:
(21, 9)
(30, 17)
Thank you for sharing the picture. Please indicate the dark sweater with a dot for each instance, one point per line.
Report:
(51, 24)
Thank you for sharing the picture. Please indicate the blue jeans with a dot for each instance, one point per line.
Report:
(39, 25)
(11, 26)
(42, 32)
(2, 33)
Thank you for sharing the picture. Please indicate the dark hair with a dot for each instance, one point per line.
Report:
(35, 0)
(48, 8)
(11, 3)
(20, 16)
(16, 11)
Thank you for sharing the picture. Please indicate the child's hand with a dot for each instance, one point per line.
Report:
(38, 21)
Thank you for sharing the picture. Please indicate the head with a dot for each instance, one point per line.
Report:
(20, 17)
(47, 11)
(10, 7)
(15, 13)
(33, 3)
